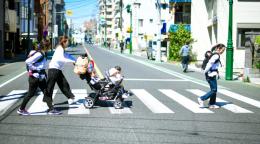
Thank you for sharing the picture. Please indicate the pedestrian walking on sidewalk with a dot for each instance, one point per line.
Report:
(184, 52)
(36, 64)
(211, 73)
(121, 46)
(55, 75)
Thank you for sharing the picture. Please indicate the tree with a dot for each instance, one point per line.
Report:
(177, 40)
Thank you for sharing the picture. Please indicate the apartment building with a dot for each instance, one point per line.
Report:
(105, 17)
(209, 22)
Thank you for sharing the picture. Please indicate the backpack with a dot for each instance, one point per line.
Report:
(81, 65)
(207, 58)
(39, 60)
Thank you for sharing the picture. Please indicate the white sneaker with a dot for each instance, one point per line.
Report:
(214, 106)
(73, 101)
(125, 95)
(201, 102)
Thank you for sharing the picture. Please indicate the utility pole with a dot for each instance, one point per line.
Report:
(229, 52)
(129, 10)
(158, 53)
(28, 27)
(105, 42)
(53, 23)
(120, 22)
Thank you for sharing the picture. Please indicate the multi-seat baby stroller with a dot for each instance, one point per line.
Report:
(105, 90)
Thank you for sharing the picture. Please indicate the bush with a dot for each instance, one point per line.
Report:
(177, 40)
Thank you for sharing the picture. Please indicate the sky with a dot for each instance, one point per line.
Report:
(82, 10)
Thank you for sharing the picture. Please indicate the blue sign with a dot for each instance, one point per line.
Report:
(180, 1)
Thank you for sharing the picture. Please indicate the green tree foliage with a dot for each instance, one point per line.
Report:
(177, 40)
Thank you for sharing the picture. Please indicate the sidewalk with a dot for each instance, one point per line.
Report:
(195, 67)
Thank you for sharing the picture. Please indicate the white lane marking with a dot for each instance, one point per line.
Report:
(12, 79)
(151, 102)
(240, 97)
(39, 107)
(163, 80)
(7, 101)
(187, 103)
(80, 95)
(228, 106)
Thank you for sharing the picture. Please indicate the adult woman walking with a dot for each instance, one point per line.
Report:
(55, 75)
(36, 65)
(211, 73)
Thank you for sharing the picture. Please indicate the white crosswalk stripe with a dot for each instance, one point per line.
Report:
(80, 95)
(39, 107)
(187, 103)
(240, 97)
(151, 102)
(227, 105)
(7, 101)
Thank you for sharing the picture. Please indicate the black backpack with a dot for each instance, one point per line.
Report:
(39, 60)
(207, 58)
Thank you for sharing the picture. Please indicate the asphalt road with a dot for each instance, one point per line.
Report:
(163, 108)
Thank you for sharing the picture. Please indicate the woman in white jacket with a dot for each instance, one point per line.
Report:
(55, 75)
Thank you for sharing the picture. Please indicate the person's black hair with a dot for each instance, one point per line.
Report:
(118, 68)
(220, 45)
(84, 55)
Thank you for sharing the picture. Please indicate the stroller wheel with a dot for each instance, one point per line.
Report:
(118, 104)
(89, 102)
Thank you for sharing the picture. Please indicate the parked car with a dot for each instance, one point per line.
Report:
(151, 50)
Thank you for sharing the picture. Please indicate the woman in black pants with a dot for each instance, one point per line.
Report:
(55, 75)
(36, 65)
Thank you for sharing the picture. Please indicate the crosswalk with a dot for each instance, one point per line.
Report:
(150, 101)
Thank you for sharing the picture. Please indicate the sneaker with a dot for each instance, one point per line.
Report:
(54, 112)
(23, 112)
(214, 106)
(201, 102)
(72, 101)
(125, 95)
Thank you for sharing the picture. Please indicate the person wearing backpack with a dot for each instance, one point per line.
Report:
(184, 52)
(55, 75)
(36, 63)
(211, 73)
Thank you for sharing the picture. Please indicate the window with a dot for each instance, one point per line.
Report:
(241, 35)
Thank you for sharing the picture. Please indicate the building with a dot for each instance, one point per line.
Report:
(2, 24)
(11, 30)
(209, 22)
(105, 22)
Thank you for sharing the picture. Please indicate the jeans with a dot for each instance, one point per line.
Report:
(185, 61)
(213, 90)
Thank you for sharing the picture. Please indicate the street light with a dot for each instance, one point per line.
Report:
(129, 10)
(229, 52)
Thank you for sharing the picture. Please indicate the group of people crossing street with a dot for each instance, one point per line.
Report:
(37, 64)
